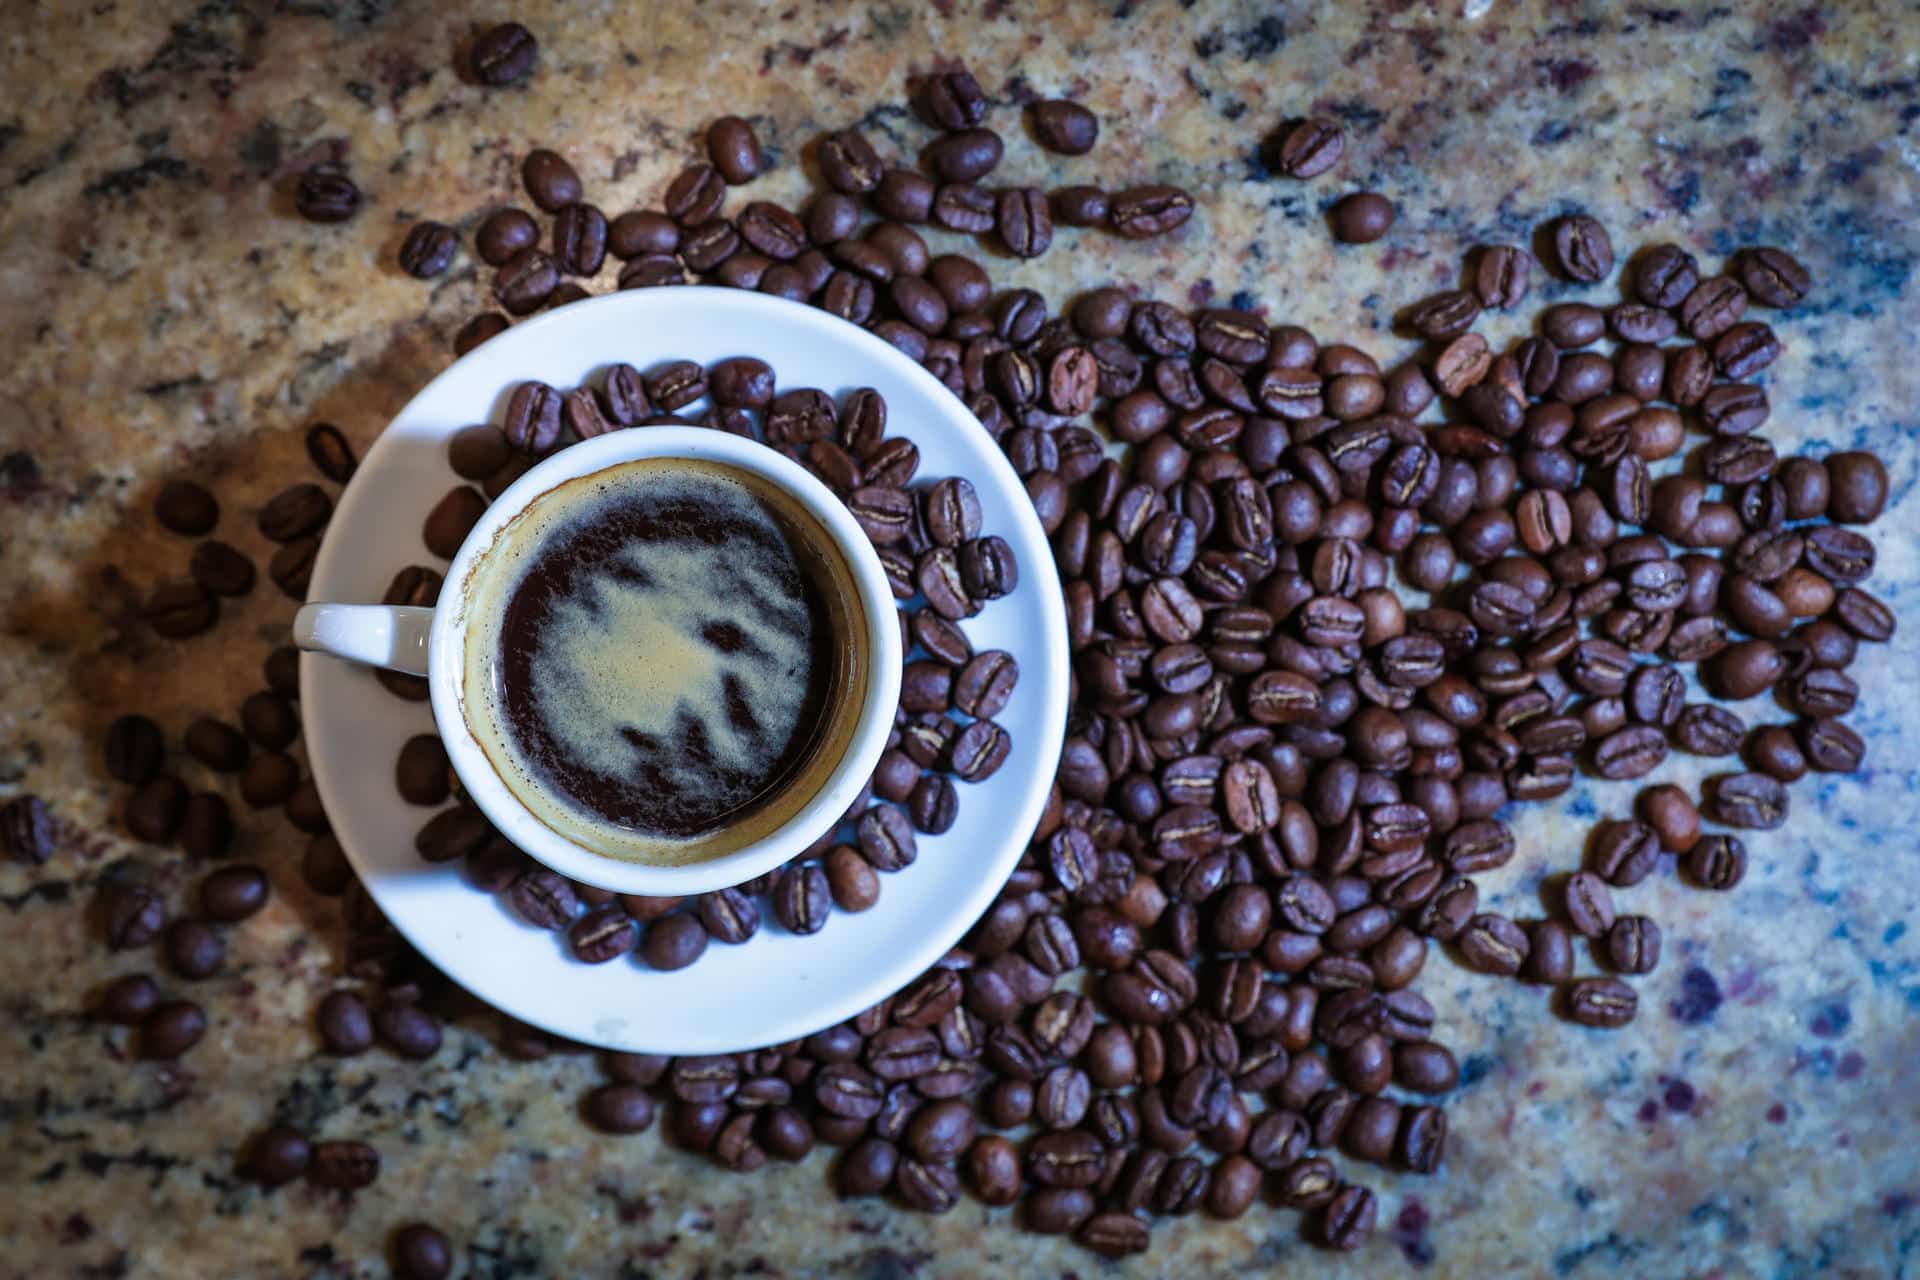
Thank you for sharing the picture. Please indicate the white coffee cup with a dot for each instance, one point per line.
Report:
(432, 643)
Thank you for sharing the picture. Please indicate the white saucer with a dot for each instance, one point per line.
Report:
(777, 986)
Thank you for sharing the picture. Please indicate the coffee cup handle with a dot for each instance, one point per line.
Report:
(379, 635)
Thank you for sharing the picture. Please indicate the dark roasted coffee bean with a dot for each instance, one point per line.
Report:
(181, 610)
(504, 54)
(154, 809)
(1348, 1218)
(295, 512)
(848, 162)
(184, 507)
(1705, 729)
(580, 238)
(951, 100)
(1583, 248)
(1601, 1002)
(1717, 862)
(450, 521)
(194, 951)
(505, 233)
(221, 569)
(1064, 126)
(1139, 213)
(1589, 904)
(128, 999)
(326, 194)
(801, 899)
(964, 155)
(428, 249)
(1494, 944)
(1774, 277)
(525, 281)
(1664, 275)
(134, 749)
(603, 934)
(233, 893)
(1633, 945)
(544, 898)
(1361, 218)
(277, 1156)
(171, 1028)
(345, 1023)
(549, 179)
(1752, 801)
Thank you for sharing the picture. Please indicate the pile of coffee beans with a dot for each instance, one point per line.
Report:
(1329, 622)
(943, 568)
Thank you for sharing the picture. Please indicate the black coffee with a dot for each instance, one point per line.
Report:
(660, 663)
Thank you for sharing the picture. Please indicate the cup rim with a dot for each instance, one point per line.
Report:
(446, 666)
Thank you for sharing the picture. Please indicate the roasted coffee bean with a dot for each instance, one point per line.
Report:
(1633, 945)
(603, 934)
(1064, 126)
(532, 423)
(128, 999)
(295, 512)
(504, 54)
(428, 249)
(154, 809)
(187, 508)
(171, 1028)
(1494, 944)
(1601, 1002)
(1773, 277)
(1752, 801)
(451, 519)
(277, 1156)
(221, 569)
(408, 1029)
(345, 1023)
(802, 899)
(1139, 213)
(1549, 952)
(1717, 862)
(549, 179)
(181, 610)
(134, 749)
(1589, 904)
(194, 951)
(326, 194)
(1632, 752)
(233, 893)
(1361, 218)
(1348, 1218)
(1025, 224)
(580, 238)
(544, 898)
(1705, 729)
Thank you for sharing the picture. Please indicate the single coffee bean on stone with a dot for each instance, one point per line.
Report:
(233, 893)
(325, 194)
(171, 1028)
(421, 1252)
(1361, 218)
(504, 54)
(428, 250)
(1065, 126)
(1601, 1002)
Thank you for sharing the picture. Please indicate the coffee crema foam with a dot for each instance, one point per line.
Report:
(663, 659)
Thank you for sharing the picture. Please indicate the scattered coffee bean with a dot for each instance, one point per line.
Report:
(504, 54)
(428, 250)
(326, 194)
(1361, 218)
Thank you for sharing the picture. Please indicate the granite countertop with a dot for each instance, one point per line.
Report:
(166, 314)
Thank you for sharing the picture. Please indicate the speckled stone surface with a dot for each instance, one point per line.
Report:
(164, 314)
